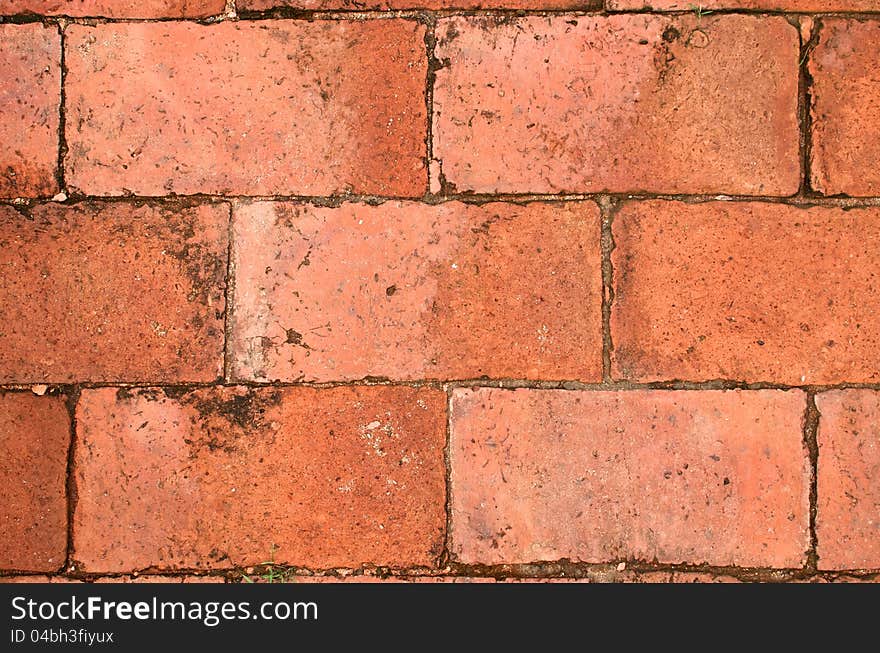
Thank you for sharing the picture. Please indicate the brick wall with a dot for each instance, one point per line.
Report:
(440, 290)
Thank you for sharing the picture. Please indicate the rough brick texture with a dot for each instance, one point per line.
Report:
(116, 8)
(112, 292)
(229, 476)
(272, 107)
(746, 291)
(848, 515)
(30, 95)
(776, 5)
(620, 103)
(410, 291)
(677, 476)
(262, 5)
(845, 68)
(34, 437)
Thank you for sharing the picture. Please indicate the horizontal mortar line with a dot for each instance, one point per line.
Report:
(534, 570)
(503, 384)
(283, 14)
(467, 198)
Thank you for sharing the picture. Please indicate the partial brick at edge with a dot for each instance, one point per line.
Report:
(30, 96)
(746, 291)
(716, 477)
(846, 107)
(116, 8)
(230, 476)
(249, 108)
(848, 511)
(617, 103)
(34, 438)
(112, 291)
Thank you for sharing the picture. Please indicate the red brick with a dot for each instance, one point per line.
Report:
(619, 103)
(777, 5)
(117, 8)
(412, 291)
(846, 108)
(30, 97)
(34, 437)
(261, 108)
(848, 514)
(317, 5)
(112, 292)
(746, 291)
(225, 477)
(675, 476)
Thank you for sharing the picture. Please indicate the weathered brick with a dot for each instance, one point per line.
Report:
(268, 107)
(34, 437)
(846, 107)
(317, 5)
(746, 291)
(112, 292)
(848, 512)
(678, 476)
(30, 97)
(116, 8)
(717, 477)
(620, 103)
(412, 291)
(776, 5)
(223, 477)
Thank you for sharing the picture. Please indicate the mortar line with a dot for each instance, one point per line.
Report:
(446, 556)
(805, 101)
(607, 208)
(442, 384)
(430, 78)
(229, 295)
(291, 14)
(334, 201)
(62, 111)
(540, 570)
(811, 444)
(72, 396)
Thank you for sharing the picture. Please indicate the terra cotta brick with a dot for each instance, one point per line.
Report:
(412, 291)
(318, 5)
(112, 292)
(116, 8)
(848, 513)
(678, 476)
(776, 5)
(260, 108)
(846, 107)
(746, 291)
(224, 477)
(620, 103)
(34, 437)
(30, 95)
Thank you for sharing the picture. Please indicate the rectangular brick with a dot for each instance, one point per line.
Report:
(34, 438)
(848, 513)
(224, 477)
(617, 103)
(262, 108)
(116, 8)
(112, 292)
(30, 98)
(412, 291)
(846, 108)
(717, 477)
(746, 291)
(775, 5)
